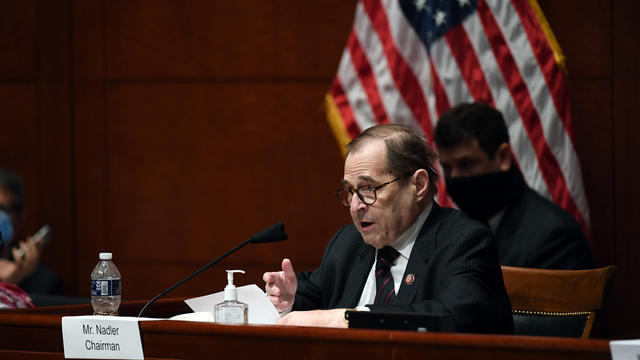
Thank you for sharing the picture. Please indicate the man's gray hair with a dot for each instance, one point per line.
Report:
(406, 151)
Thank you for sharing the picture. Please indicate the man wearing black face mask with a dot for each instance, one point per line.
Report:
(484, 181)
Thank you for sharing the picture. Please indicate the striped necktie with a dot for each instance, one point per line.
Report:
(385, 293)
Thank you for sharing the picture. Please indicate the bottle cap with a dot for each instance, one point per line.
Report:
(230, 291)
(105, 256)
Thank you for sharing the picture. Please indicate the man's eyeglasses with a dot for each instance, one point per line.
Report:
(366, 193)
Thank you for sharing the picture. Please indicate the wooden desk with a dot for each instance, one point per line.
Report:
(36, 334)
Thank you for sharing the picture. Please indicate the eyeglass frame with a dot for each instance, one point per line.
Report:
(374, 189)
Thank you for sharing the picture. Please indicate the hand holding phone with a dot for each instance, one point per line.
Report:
(41, 236)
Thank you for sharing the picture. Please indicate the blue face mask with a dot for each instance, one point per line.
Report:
(6, 229)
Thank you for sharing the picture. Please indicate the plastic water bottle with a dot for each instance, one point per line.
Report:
(105, 287)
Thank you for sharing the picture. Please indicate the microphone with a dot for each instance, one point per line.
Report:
(271, 234)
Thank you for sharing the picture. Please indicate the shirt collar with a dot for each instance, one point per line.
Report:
(404, 243)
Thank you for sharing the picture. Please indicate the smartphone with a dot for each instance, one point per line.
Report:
(42, 235)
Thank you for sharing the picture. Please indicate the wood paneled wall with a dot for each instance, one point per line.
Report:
(199, 123)
(36, 121)
(168, 131)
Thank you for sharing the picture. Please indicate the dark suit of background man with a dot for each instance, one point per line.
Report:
(447, 262)
(483, 180)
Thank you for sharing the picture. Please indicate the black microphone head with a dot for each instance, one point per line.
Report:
(270, 234)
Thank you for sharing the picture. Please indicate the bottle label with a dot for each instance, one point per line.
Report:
(231, 316)
(105, 287)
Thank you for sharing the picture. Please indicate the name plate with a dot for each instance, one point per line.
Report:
(101, 337)
(625, 349)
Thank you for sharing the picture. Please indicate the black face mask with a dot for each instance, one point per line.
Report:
(481, 196)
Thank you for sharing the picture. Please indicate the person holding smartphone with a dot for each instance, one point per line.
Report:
(19, 260)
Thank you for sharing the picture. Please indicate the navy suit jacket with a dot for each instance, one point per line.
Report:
(454, 262)
(536, 233)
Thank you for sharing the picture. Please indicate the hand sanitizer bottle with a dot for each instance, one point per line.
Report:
(231, 311)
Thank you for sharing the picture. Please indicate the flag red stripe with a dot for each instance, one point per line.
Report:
(551, 173)
(518, 90)
(553, 76)
(442, 101)
(405, 80)
(467, 60)
(342, 103)
(367, 78)
(442, 105)
(443, 197)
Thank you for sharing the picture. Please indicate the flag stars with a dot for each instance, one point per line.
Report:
(440, 18)
(420, 4)
(463, 3)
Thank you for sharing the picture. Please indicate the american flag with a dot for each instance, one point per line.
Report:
(408, 61)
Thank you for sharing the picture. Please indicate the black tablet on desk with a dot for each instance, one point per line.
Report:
(400, 321)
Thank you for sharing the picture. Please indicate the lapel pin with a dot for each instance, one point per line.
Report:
(409, 279)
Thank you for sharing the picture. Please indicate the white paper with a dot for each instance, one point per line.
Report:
(625, 349)
(102, 337)
(261, 310)
(201, 316)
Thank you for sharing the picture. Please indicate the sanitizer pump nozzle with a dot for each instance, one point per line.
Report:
(230, 291)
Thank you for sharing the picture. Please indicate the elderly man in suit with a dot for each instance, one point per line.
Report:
(403, 252)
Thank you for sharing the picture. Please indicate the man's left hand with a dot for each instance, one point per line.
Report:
(323, 318)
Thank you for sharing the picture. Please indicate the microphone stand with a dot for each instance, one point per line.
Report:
(271, 234)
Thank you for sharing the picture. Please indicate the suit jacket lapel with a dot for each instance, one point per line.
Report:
(357, 276)
(416, 271)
